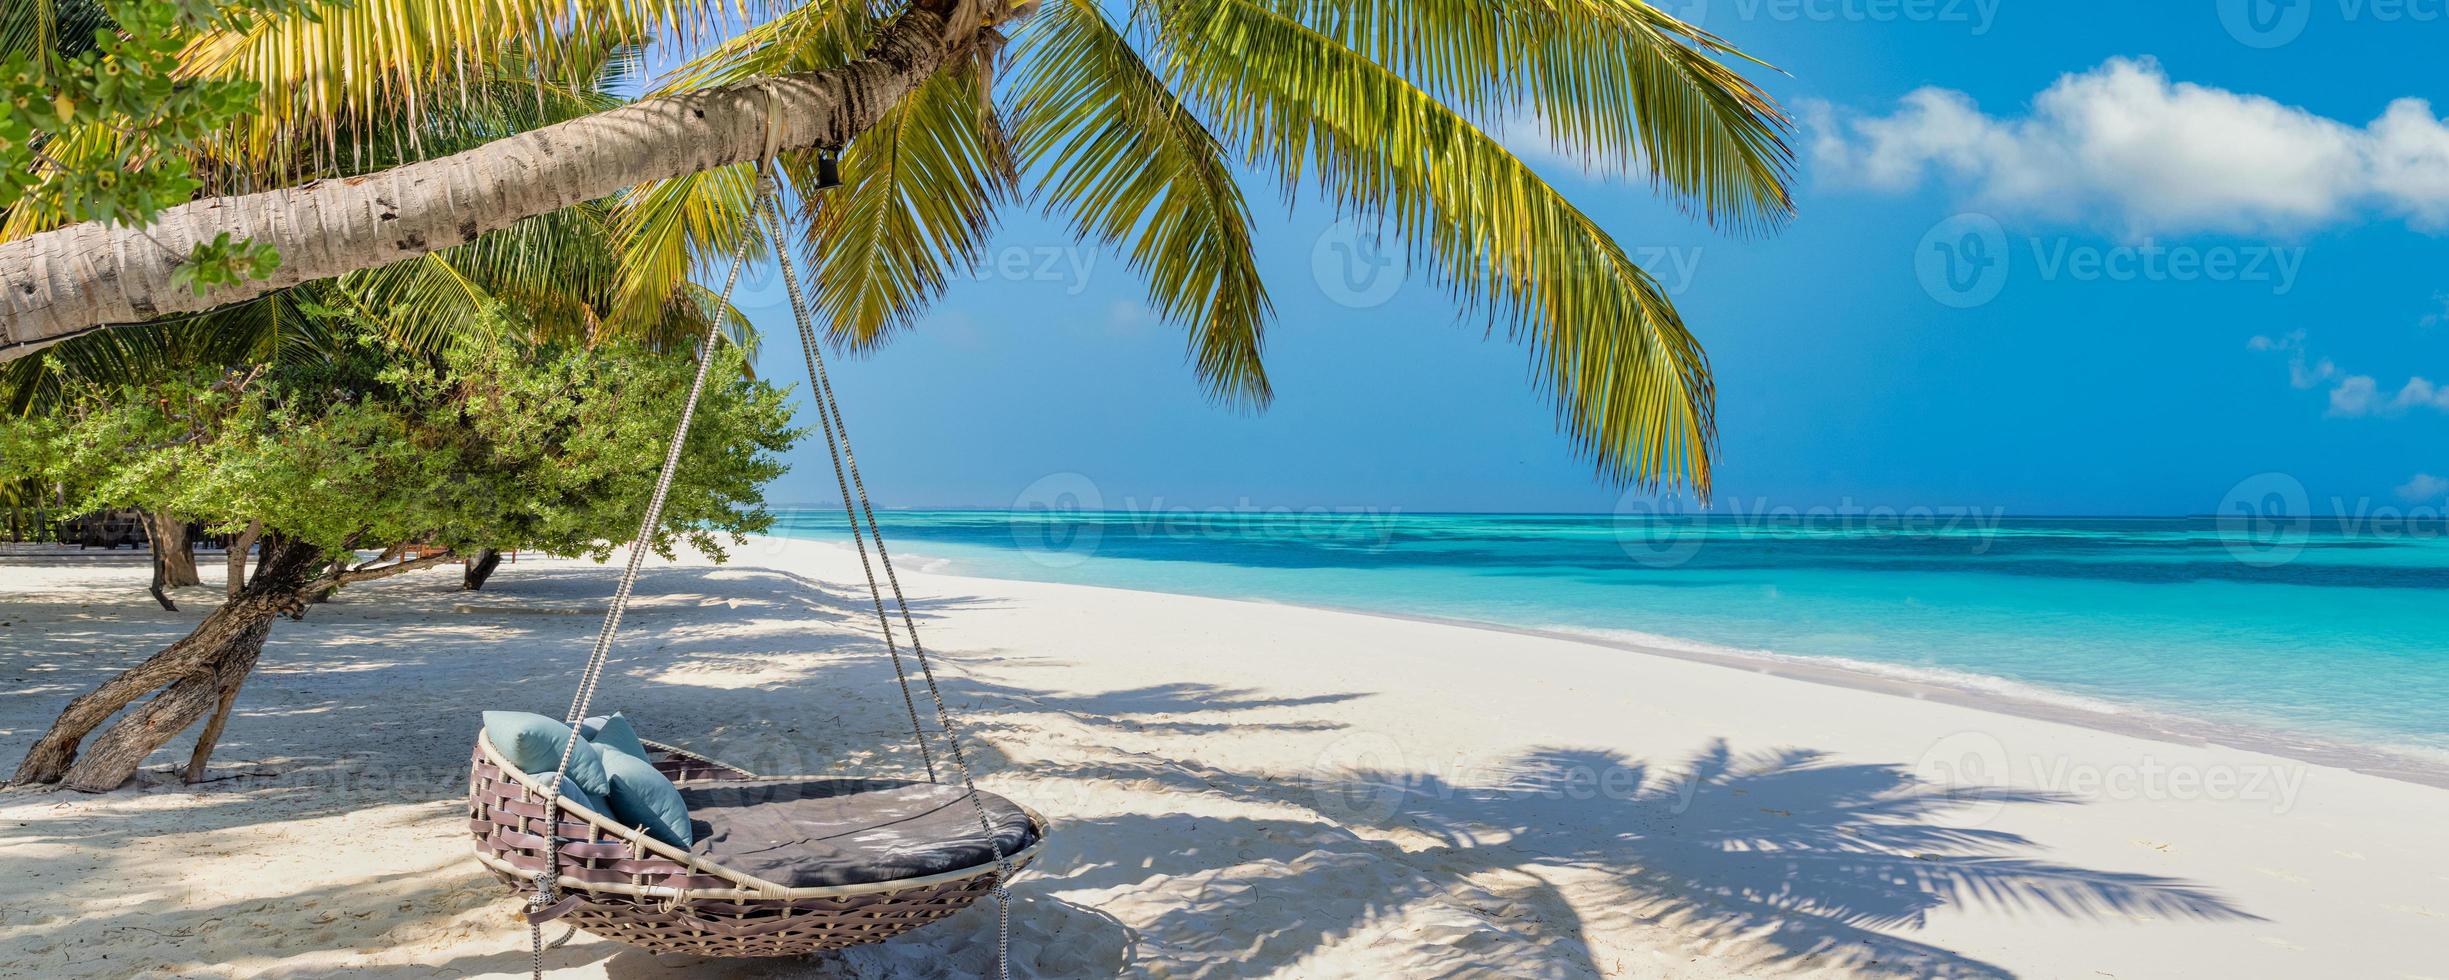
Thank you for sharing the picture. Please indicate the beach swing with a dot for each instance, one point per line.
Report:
(785, 866)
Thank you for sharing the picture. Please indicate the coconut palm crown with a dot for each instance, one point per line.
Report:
(1136, 124)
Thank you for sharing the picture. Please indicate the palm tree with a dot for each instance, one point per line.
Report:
(1128, 121)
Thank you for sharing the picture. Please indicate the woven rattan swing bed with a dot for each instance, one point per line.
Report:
(877, 857)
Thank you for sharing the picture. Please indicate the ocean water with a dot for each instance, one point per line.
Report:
(2329, 630)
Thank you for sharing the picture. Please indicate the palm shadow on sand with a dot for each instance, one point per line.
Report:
(1785, 860)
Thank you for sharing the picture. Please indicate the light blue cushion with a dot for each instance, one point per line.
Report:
(571, 791)
(614, 733)
(643, 798)
(533, 743)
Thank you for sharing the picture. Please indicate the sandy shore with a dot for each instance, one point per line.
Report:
(1237, 789)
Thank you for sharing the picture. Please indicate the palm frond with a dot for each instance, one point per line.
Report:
(1632, 387)
(672, 230)
(917, 203)
(684, 324)
(50, 32)
(1618, 82)
(269, 330)
(323, 65)
(1133, 168)
(811, 36)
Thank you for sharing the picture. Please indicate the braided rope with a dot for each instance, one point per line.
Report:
(830, 422)
(829, 409)
(548, 880)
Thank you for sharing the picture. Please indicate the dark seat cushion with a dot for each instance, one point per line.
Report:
(806, 833)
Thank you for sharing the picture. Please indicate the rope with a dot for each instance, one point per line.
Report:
(807, 343)
(548, 880)
(864, 528)
(829, 409)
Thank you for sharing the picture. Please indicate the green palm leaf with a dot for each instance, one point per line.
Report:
(917, 203)
(671, 230)
(812, 36)
(1632, 386)
(1617, 81)
(331, 72)
(1132, 168)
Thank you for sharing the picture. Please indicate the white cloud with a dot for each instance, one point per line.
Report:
(2124, 146)
(2361, 395)
(2351, 395)
(2355, 396)
(2422, 488)
(2300, 374)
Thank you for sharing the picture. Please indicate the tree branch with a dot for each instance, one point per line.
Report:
(364, 574)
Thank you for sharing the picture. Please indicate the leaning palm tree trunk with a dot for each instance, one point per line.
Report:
(62, 283)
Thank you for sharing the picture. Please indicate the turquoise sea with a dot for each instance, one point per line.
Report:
(2335, 631)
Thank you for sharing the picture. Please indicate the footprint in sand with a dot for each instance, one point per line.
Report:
(2281, 943)
(2286, 876)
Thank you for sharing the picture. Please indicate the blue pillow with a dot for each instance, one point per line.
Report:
(533, 743)
(614, 733)
(571, 791)
(643, 798)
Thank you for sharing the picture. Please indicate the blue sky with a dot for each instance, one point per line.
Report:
(2050, 258)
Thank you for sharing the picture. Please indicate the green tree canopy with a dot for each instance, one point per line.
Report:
(491, 443)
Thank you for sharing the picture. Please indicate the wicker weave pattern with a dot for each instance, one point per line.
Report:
(632, 895)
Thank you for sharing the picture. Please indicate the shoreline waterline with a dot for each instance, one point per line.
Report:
(2133, 648)
(2404, 764)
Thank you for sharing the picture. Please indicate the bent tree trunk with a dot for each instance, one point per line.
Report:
(238, 557)
(191, 674)
(196, 675)
(173, 550)
(479, 569)
(59, 284)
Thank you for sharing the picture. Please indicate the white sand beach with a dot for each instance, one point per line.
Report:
(1235, 789)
